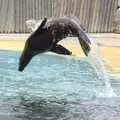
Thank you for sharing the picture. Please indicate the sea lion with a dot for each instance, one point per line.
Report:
(48, 34)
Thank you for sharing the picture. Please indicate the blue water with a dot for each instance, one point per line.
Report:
(54, 88)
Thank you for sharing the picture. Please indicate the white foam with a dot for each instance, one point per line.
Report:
(96, 61)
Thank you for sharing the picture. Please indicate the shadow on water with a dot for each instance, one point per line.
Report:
(39, 109)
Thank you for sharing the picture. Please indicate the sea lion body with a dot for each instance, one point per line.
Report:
(46, 38)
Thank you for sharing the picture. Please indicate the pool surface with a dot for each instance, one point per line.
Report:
(54, 88)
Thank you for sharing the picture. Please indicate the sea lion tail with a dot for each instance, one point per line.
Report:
(85, 47)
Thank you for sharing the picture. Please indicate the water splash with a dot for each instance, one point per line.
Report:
(95, 60)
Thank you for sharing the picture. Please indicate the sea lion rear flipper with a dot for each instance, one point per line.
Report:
(59, 49)
(85, 47)
(84, 41)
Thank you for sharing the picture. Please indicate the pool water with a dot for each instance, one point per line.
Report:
(54, 88)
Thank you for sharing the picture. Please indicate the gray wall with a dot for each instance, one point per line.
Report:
(95, 15)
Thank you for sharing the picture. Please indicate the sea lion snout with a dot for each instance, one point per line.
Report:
(25, 59)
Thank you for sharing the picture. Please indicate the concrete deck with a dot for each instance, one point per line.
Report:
(108, 39)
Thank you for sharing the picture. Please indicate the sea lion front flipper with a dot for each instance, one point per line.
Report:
(59, 49)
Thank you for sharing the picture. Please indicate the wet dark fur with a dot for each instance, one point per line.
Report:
(48, 34)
